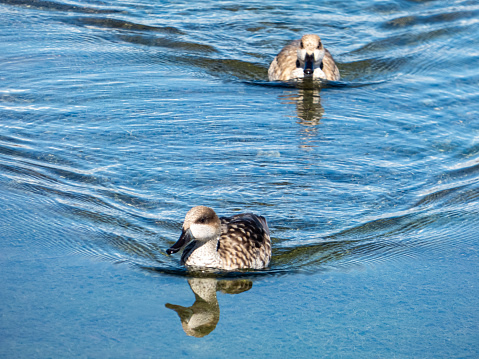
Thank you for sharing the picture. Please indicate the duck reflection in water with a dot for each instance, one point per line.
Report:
(201, 318)
(308, 109)
(308, 105)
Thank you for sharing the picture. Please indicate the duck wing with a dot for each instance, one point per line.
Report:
(329, 67)
(245, 241)
(284, 63)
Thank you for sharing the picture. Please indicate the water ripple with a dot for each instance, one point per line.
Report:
(45, 5)
(123, 228)
(115, 127)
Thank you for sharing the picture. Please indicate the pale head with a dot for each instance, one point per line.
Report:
(201, 224)
(310, 53)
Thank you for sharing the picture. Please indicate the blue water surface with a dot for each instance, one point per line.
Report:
(118, 117)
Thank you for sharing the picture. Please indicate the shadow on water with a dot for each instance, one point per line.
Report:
(45, 5)
(201, 318)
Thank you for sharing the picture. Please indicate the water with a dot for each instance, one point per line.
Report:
(116, 118)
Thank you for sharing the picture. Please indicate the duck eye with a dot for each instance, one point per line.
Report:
(301, 44)
(319, 45)
(202, 220)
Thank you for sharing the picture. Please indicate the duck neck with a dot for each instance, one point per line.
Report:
(202, 254)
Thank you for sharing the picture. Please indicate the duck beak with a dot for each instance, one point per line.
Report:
(308, 64)
(184, 239)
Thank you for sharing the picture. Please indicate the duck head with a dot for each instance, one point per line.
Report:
(201, 224)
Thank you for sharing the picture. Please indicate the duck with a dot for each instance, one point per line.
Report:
(305, 57)
(201, 318)
(231, 243)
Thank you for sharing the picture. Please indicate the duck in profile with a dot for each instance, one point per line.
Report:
(201, 318)
(228, 243)
(304, 58)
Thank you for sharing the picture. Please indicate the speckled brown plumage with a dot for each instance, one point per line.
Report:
(244, 242)
(238, 242)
